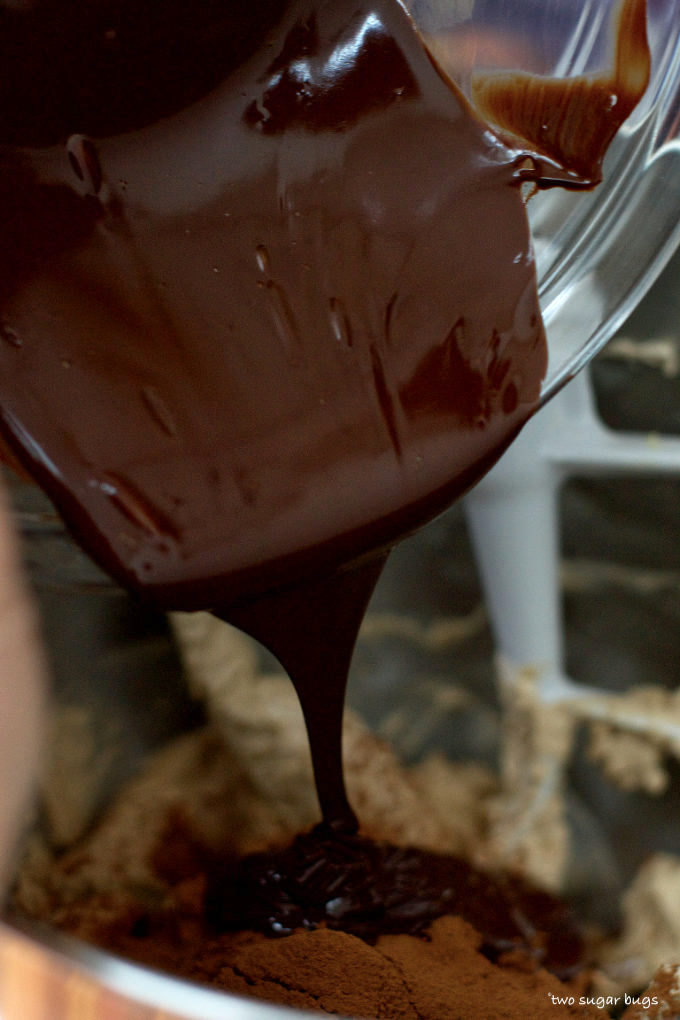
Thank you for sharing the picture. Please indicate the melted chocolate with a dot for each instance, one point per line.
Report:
(255, 335)
(517, 102)
(370, 889)
(267, 299)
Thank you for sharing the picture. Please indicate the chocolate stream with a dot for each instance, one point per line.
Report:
(268, 298)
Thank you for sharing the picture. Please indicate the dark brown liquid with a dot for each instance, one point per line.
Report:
(267, 300)
(370, 889)
(263, 336)
(554, 118)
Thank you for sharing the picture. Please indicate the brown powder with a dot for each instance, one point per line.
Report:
(400, 978)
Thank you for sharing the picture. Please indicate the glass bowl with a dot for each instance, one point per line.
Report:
(623, 233)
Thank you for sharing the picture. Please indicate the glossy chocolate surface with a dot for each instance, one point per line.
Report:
(268, 298)
(253, 335)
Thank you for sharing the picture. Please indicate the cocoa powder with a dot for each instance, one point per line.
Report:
(402, 977)
(444, 972)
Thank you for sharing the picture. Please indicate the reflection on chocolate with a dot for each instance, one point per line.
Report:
(308, 91)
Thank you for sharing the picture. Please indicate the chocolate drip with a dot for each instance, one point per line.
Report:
(312, 630)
